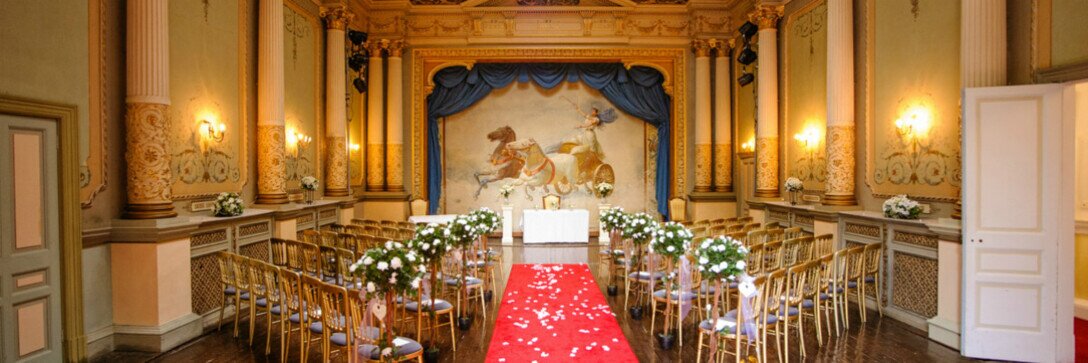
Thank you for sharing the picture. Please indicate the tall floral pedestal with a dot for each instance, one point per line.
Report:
(602, 236)
(507, 223)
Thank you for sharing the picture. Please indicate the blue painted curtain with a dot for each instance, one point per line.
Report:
(637, 91)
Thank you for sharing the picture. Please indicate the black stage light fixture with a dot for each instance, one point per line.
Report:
(745, 79)
(360, 85)
(748, 29)
(746, 56)
(356, 61)
(357, 37)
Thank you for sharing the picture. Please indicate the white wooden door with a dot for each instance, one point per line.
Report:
(1017, 223)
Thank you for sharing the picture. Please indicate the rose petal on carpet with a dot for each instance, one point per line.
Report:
(556, 313)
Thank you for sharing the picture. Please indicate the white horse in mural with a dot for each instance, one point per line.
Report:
(558, 171)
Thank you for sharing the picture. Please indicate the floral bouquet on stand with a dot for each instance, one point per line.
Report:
(463, 232)
(722, 259)
(901, 207)
(228, 204)
(309, 186)
(614, 220)
(389, 271)
(505, 192)
(673, 241)
(431, 243)
(639, 229)
(604, 190)
(794, 186)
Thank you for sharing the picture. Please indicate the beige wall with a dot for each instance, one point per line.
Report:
(1068, 32)
(805, 94)
(303, 90)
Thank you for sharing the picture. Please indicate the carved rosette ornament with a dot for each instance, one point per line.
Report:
(767, 167)
(840, 166)
(336, 170)
(272, 165)
(148, 163)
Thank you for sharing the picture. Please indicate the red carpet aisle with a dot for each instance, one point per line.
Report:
(556, 313)
(1080, 333)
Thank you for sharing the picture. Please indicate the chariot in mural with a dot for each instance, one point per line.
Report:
(577, 161)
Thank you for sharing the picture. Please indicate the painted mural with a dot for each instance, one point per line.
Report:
(562, 141)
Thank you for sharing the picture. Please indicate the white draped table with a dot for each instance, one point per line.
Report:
(547, 226)
(438, 218)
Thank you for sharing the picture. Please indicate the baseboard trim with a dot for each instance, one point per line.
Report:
(944, 332)
(100, 341)
(158, 338)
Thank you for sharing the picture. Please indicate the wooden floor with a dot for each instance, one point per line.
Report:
(878, 340)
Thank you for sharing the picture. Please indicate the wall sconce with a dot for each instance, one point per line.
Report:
(809, 138)
(296, 141)
(212, 131)
(914, 123)
(748, 147)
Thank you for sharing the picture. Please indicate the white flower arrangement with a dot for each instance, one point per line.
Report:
(605, 189)
(430, 243)
(506, 190)
(671, 240)
(393, 268)
(228, 204)
(794, 185)
(640, 228)
(486, 220)
(721, 257)
(462, 231)
(614, 219)
(901, 207)
(309, 183)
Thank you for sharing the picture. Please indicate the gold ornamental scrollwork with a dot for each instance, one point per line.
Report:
(671, 62)
(148, 161)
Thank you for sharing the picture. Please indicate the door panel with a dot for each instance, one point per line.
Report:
(29, 241)
(1012, 199)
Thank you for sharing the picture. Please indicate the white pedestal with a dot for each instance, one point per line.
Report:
(602, 235)
(507, 224)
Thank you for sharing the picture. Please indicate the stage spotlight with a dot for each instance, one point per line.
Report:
(748, 29)
(360, 85)
(356, 61)
(356, 37)
(745, 79)
(746, 56)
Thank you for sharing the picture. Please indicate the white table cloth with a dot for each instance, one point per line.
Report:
(547, 226)
(438, 218)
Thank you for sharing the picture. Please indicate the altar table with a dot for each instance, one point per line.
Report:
(437, 218)
(547, 226)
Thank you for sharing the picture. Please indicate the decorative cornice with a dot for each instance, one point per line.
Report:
(767, 16)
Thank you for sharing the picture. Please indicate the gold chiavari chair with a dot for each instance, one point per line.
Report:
(372, 223)
(826, 294)
(226, 278)
(853, 270)
(734, 228)
(699, 231)
(774, 294)
(348, 241)
(311, 309)
(873, 260)
(452, 271)
(424, 308)
(310, 256)
(373, 230)
(354, 229)
(744, 220)
(366, 336)
(754, 237)
(791, 252)
(390, 233)
(344, 277)
(358, 222)
(392, 224)
(772, 225)
(273, 303)
(278, 247)
(805, 248)
(798, 280)
(239, 268)
(330, 264)
(335, 323)
(641, 275)
(794, 232)
(823, 244)
(674, 298)
(258, 295)
(407, 225)
(775, 234)
(335, 227)
(716, 230)
(311, 236)
(716, 221)
(291, 307)
(329, 238)
(772, 256)
(731, 220)
(730, 326)
(751, 226)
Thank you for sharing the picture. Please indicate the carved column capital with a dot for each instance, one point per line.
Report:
(701, 47)
(337, 18)
(375, 47)
(395, 47)
(766, 16)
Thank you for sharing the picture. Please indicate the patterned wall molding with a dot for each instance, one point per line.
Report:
(864, 230)
(207, 238)
(914, 285)
(927, 241)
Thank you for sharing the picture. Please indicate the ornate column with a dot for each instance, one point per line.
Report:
(394, 121)
(840, 103)
(375, 157)
(766, 17)
(703, 162)
(271, 164)
(336, 126)
(983, 48)
(147, 99)
(723, 120)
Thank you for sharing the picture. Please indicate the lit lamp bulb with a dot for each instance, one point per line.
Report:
(355, 147)
(213, 131)
(914, 122)
(809, 138)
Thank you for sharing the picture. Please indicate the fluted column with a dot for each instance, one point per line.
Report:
(375, 137)
(840, 103)
(336, 126)
(766, 17)
(146, 102)
(271, 150)
(983, 48)
(703, 132)
(394, 121)
(723, 120)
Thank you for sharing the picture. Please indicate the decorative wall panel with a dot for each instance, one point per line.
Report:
(805, 96)
(303, 83)
(915, 284)
(209, 65)
(207, 291)
(259, 250)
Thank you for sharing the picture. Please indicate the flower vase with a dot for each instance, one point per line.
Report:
(793, 198)
(309, 196)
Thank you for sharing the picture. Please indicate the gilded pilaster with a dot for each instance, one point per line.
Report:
(394, 126)
(723, 125)
(147, 100)
(767, 167)
(840, 104)
(271, 165)
(375, 135)
(703, 132)
(766, 17)
(336, 153)
(840, 166)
